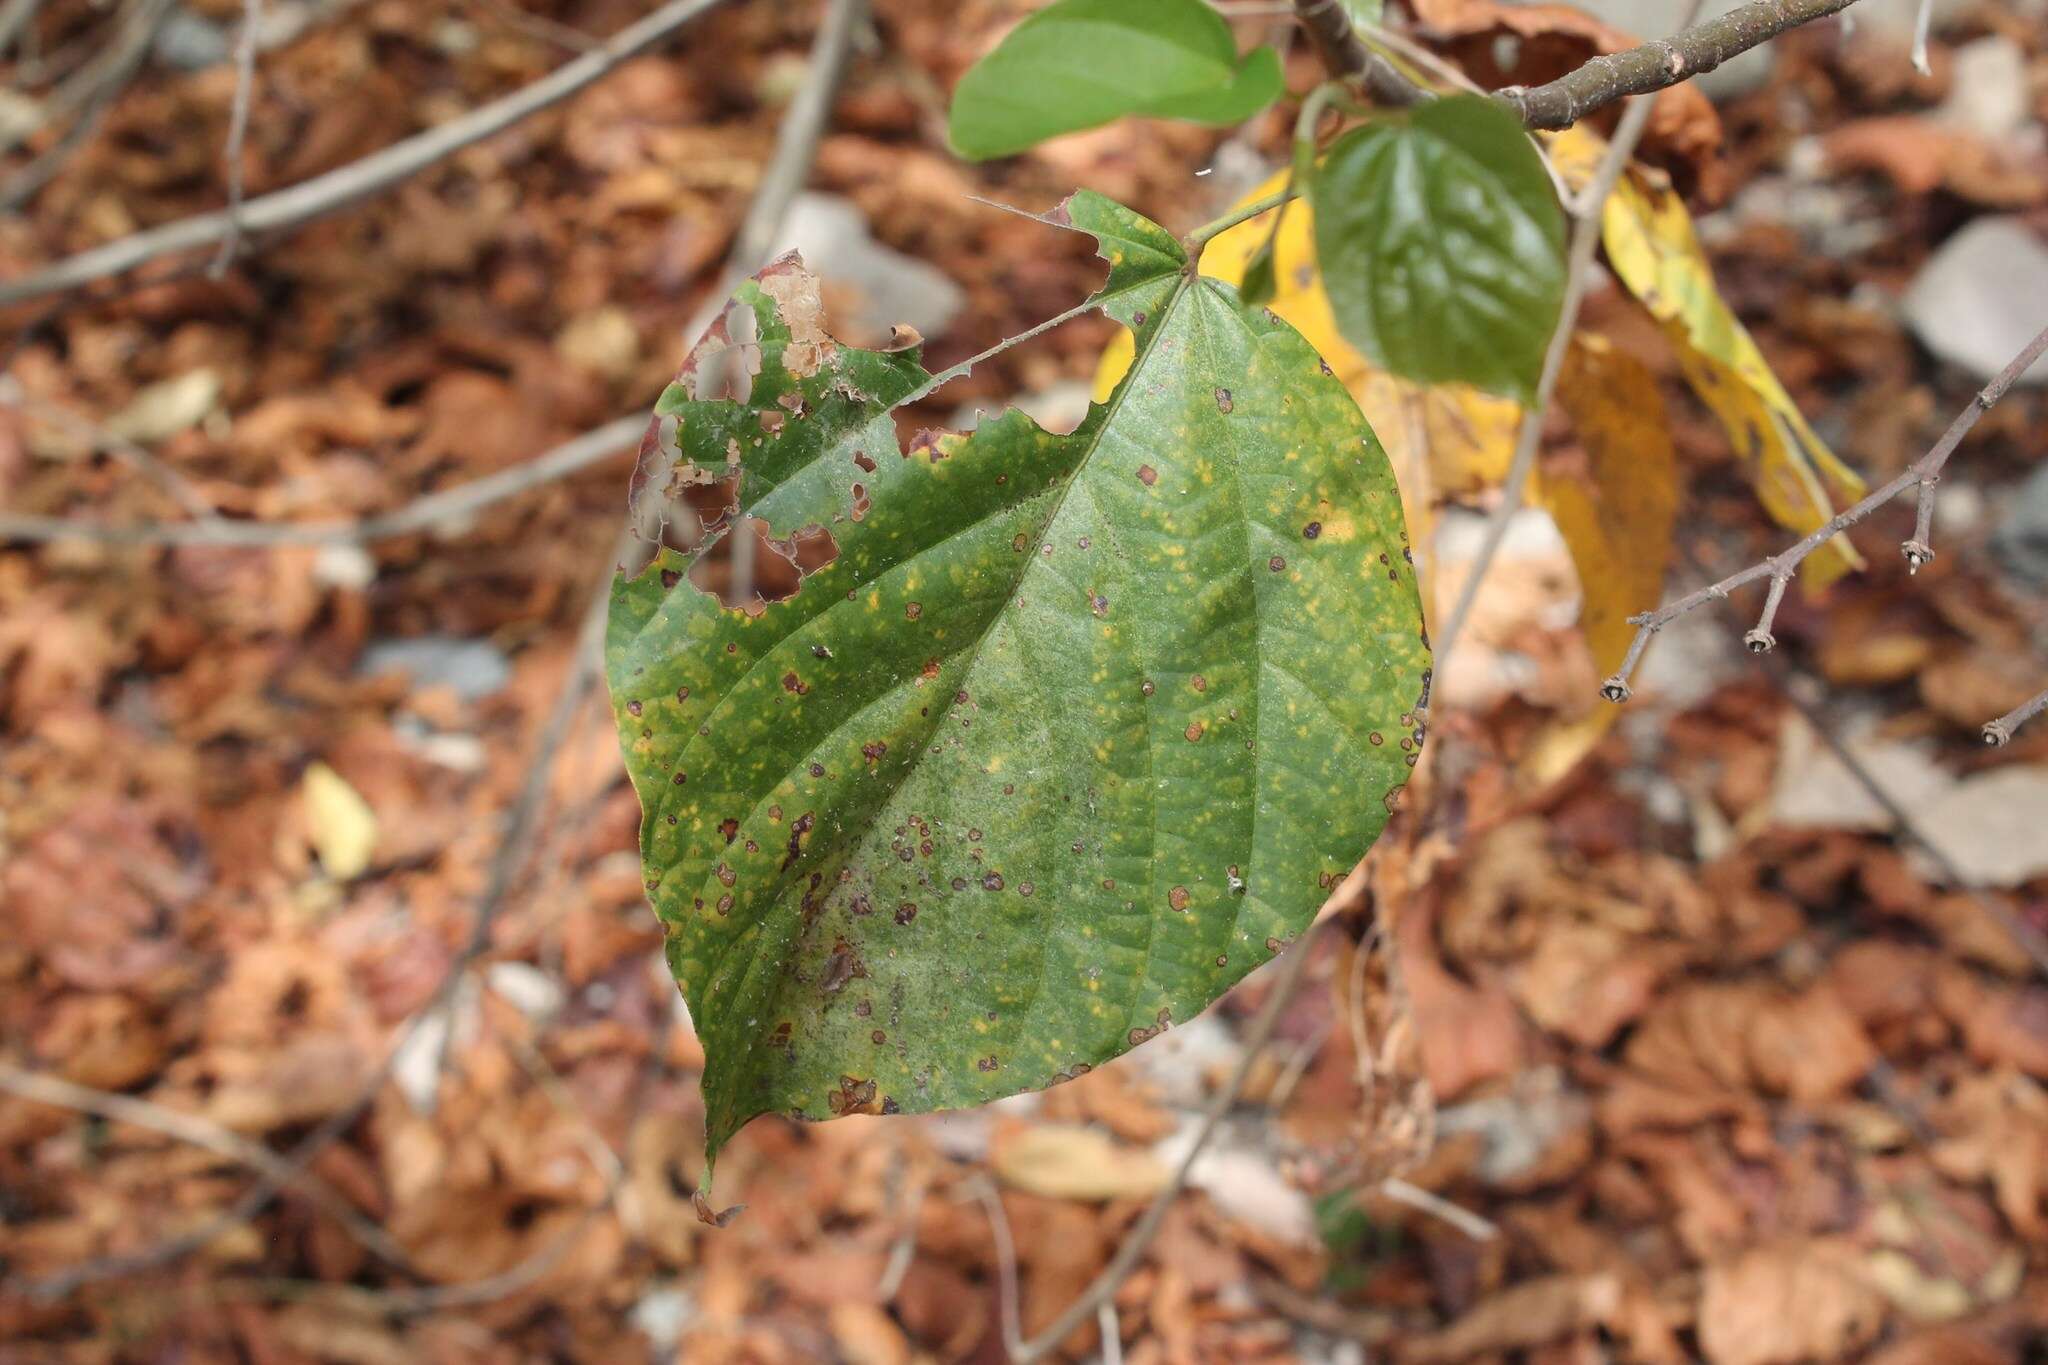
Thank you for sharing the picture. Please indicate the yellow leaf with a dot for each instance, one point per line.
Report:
(1616, 511)
(340, 824)
(1652, 247)
(1066, 1161)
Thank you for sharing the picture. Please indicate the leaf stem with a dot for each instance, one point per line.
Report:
(1195, 240)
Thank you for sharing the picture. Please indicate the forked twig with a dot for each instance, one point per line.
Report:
(323, 194)
(1923, 474)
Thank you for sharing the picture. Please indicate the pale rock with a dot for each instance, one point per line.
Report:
(163, 409)
(1977, 301)
(1992, 826)
(1989, 96)
(526, 988)
(1814, 789)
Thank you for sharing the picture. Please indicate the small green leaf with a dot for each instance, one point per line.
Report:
(1364, 12)
(1442, 245)
(1082, 63)
(1025, 746)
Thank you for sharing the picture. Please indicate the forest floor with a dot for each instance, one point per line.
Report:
(1691, 1050)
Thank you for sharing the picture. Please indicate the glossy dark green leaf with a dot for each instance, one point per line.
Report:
(1082, 63)
(1054, 738)
(1441, 245)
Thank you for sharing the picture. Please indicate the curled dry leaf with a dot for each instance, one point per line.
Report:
(1787, 1302)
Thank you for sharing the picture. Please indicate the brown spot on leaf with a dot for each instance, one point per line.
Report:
(854, 1096)
(1312, 530)
(1223, 400)
(842, 966)
(1147, 475)
(792, 683)
(906, 912)
(797, 830)
(913, 610)
(1178, 898)
(1193, 732)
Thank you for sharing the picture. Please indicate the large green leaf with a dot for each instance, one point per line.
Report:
(1081, 63)
(1059, 737)
(1442, 245)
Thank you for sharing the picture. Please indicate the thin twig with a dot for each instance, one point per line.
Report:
(238, 130)
(15, 16)
(91, 91)
(324, 194)
(2031, 940)
(1436, 1206)
(1694, 51)
(1600, 82)
(130, 453)
(536, 25)
(1286, 982)
(1578, 277)
(450, 505)
(1923, 474)
(1998, 733)
(202, 1133)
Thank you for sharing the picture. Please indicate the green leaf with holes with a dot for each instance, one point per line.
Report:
(994, 755)
(1441, 245)
(1082, 63)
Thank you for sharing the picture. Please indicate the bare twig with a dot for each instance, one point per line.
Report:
(1655, 65)
(15, 16)
(422, 514)
(1923, 474)
(1998, 733)
(1436, 1206)
(1286, 983)
(1578, 277)
(536, 25)
(323, 194)
(1600, 82)
(2031, 940)
(238, 131)
(199, 1132)
(135, 456)
(89, 92)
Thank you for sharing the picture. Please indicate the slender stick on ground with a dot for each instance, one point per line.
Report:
(514, 845)
(199, 1132)
(434, 510)
(338, 188)
(1287, 982)
(238, 130)
(1578, 277)
(1923, 475)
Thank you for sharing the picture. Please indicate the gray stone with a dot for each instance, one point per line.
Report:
(2021, 540)
(1982, 297)
(474, 668)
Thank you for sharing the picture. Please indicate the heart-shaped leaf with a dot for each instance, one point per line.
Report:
(1081, 63)
(968, 765)
(1441, 245)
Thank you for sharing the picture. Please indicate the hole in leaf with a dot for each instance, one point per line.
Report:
(747, 568)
